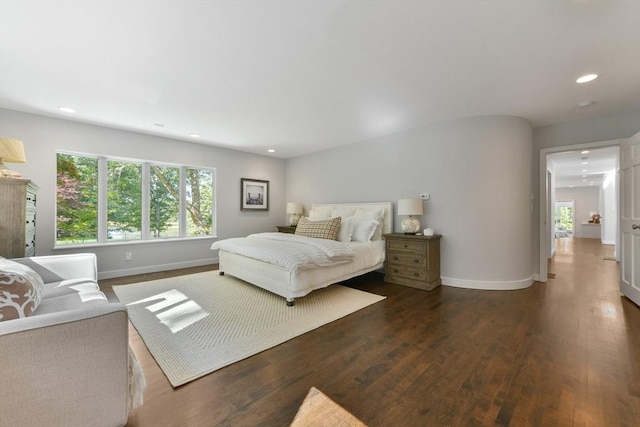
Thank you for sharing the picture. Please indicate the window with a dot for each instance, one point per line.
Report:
(102, 200)
(77, 199)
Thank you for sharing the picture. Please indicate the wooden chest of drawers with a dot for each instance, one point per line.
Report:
(17, 218)
(413, 260)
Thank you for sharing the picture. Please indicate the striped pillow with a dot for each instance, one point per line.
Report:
(325, 229)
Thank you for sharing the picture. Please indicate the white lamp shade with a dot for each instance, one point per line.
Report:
(410, 207)
(294, 208)
(11, 150)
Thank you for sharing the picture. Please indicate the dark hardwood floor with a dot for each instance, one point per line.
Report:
(564, 353)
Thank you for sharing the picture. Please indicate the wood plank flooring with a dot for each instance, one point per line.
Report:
(564, 353)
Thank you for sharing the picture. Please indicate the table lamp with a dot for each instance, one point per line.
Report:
(295, 209)
(410, 207)
(11, 151)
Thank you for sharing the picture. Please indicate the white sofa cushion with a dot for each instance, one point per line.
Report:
(69, 286)
(71, 302)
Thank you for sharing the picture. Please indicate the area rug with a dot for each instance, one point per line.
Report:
(196, 324)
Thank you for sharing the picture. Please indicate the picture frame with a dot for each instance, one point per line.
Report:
(254, 194)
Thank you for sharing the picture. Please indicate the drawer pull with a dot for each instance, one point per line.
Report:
(395, 270)
(405, 246)
(416, 274)
(395, 258)
(416, 260)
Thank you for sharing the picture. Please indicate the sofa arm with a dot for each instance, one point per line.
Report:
(67, 368)
(55, 268)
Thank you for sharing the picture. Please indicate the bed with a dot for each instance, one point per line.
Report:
(294, 281)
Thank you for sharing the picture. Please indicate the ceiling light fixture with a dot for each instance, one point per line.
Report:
(271, 150)
(584, 152)
(585, 104)
(67, 110)
(584, 170)
(194, 135)
(587, 78)
(585, 163)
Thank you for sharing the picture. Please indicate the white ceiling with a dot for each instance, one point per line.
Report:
(570, 169)
(305, 76)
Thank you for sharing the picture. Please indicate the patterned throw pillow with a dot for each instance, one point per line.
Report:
(326, 229)
(21, 290)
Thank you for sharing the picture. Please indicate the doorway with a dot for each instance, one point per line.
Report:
(563, 169)
(564, 219)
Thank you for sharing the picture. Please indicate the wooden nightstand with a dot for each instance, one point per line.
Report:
(413, 260)
(291, 229)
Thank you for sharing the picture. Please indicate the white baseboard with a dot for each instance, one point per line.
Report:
(155, 268)
(488, 285)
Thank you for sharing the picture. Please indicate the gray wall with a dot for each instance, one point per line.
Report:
(478, 172)
(42, 136)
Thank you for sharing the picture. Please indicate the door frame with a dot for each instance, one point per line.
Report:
(544, 225)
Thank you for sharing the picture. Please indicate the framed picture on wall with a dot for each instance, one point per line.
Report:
(254, 194)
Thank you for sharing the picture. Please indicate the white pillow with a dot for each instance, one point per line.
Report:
(317, 214)
(342, 212)
(377, 214)
(363, 230)
(346, 230)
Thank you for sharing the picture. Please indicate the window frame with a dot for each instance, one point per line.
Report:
(145, 237)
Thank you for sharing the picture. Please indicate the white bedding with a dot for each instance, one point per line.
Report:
(289, 251)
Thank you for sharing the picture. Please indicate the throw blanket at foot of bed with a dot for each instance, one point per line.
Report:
(288, 251)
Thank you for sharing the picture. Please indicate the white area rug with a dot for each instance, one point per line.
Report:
(196, 324)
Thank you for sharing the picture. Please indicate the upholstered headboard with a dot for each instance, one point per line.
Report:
(387, 220)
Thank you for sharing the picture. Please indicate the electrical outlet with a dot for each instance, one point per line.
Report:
(425, 196)
(128, 256)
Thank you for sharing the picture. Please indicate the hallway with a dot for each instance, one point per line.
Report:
(598, 334)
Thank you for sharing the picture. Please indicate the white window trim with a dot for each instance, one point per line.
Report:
(146, 204)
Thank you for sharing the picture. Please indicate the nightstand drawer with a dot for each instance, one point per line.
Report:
(404, 258)
(419, 274)
(406, 245)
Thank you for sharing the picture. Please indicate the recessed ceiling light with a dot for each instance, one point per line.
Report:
(584, 170)
(585, 163)
(194, 135)
(584, 180)
(585, 104)
(584, 152)
(587, 78)
(271, 150)
(67, 110)
(584, 176)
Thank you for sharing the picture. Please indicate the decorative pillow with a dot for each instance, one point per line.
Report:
(316, 214)
(21, 290)
(377, 214)
(346, 230)
(326, 229)
(363, 229)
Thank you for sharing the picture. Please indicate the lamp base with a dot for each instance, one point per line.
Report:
(293, 219)
(8, 173)
(410, 225)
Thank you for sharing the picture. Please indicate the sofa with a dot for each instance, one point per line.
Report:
(65, 358)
